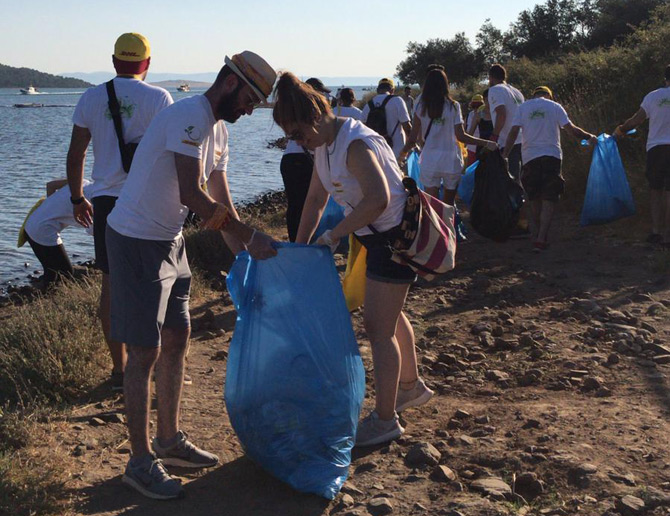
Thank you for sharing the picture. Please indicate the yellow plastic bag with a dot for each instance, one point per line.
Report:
(354, 277)
(22, 232)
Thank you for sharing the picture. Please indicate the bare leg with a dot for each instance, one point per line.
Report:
(657, 201)
(432, 191)
(169, 380)
(116, 349)
(404, 333)
(383, 305)
(548, 208)
(535, 212)
(136, 396)
(449, 196)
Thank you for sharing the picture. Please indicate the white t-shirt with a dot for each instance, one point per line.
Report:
(139, 103)
(53, 216)
(441, 152)
(541, 121)
(657, 107)
(508, 96)
(348, 111)
(471, 117)
(149, 206)
(396, 115)
(331, 166)
(293, 148)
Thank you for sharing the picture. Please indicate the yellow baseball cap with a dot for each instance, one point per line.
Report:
(388, 81)
(477, 98)
(543, 89)
(132, 47)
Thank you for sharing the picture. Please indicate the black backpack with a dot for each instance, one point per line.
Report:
(377, 120)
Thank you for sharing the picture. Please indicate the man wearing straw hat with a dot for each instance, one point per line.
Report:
(185, 147)
(139, 102)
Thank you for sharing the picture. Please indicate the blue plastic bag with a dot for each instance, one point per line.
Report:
(295, 380)
(608, 196)
(332, 215)
(467, 185)
(413, 169)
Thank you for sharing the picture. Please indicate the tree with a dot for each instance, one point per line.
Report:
(456, 55)
(618, 18)
(491, 44)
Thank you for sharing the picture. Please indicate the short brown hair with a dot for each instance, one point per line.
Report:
(497, 71)
(347, 96)
(297, 102)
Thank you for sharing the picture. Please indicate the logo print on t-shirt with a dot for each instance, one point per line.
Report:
(125, 107)
(664, 102)
(537, 114)
(193, 133)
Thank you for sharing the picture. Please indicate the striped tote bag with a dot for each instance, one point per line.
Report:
(426, 241)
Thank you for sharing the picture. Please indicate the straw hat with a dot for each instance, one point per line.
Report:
(255, 71)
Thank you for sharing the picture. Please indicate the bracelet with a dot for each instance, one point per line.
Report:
(77, 201)
(219, 219)
(253, 234)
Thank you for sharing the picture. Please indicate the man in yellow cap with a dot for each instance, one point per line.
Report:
(138, 104)
(387, 114)
(185, 147)
(540, 121)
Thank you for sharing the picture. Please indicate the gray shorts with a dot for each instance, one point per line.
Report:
(150, 284)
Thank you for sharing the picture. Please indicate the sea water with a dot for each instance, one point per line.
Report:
(33, 148)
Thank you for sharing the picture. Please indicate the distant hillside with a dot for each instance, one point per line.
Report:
(11, 77)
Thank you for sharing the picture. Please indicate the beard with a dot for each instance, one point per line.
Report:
(228, 107)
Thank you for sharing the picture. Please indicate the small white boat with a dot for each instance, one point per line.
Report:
(184, 87)
(30, 90)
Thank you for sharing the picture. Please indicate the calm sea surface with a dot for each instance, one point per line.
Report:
(33, 146)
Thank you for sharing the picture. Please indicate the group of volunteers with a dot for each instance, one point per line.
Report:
(334, 150)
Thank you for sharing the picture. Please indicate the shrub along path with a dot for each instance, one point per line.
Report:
(552, 398)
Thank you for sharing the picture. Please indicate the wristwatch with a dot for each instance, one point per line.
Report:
(77, 201)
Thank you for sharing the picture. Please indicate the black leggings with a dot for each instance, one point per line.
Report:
(54, 260)
(296, 172)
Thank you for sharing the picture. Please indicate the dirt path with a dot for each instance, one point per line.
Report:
(550, 373)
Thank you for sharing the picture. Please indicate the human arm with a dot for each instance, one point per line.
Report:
(511, 138)
(55, 185)
(631, 123)
(76, 157)
(474, 123)
(501, 118)
(580, 133)
(189, 175)
(468, 139)
(412, 138)
(316, 200)
(362, 163)
(217, 186)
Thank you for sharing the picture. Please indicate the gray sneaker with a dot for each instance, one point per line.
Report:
(414, 397)
(184, 454)
(372, 430)
(148, 476)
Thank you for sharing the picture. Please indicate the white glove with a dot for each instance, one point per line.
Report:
(327, 239)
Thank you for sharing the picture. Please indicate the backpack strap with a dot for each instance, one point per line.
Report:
(115, 111)
(383, 106)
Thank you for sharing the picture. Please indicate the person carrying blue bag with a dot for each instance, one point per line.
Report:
(356, 166)
(540, 121)
(295, 380)
(656, 107)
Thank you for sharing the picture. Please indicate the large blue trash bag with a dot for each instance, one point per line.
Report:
(467, 185)
(608, 196)
(295, 380)
(332, 215)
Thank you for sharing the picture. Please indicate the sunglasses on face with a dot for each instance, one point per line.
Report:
(295, 135)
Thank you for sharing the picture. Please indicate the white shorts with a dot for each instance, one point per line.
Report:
(435, 179)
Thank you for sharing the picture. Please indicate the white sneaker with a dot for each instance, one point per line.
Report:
(414, 397)
(372, 430)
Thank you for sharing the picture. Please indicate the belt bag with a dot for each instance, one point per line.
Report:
(426, 237)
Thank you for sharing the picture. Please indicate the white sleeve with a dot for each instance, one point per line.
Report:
(562, 116)
(458, 118)
(516, 120)
(401, 108)
(365, 112)
(78, 118)
(185, 136)
(647, 105)
(495, 98)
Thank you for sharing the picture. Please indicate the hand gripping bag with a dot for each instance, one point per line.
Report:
(332, 215)
(295, 380)
(496, 200)
(608, 196)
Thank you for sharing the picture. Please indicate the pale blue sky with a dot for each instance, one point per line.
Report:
(307, 37)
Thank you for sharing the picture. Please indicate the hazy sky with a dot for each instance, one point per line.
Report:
(307, 37)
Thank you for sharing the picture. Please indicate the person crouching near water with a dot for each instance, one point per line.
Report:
(356, 166)
(438, 119)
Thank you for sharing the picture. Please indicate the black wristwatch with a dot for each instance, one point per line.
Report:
(77, 201)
